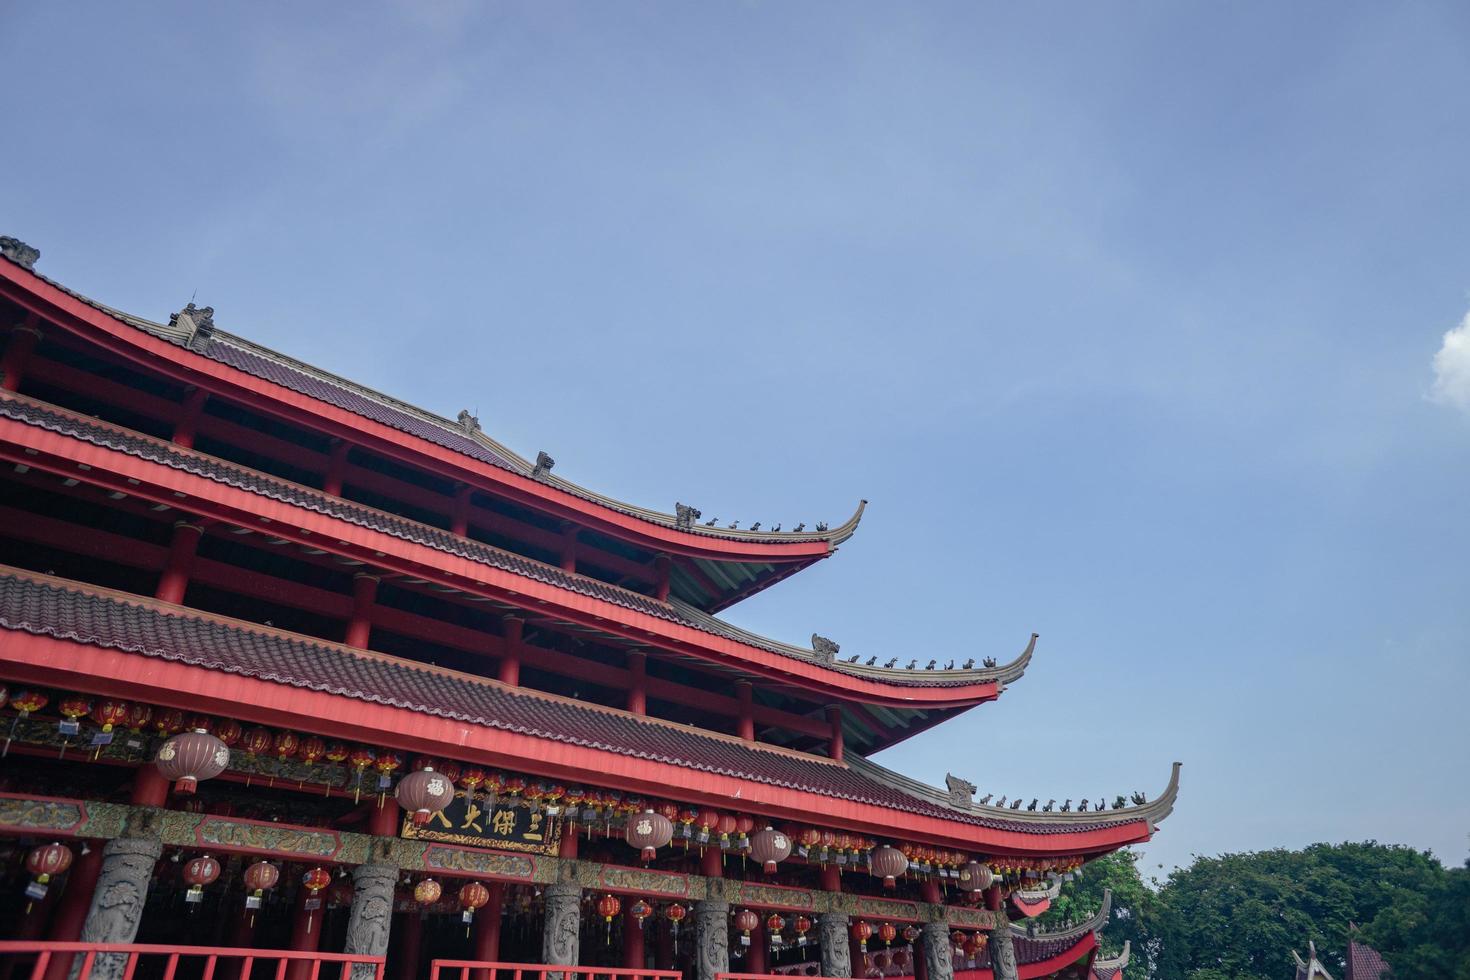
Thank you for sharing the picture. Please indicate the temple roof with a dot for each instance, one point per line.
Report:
(1364, 962)
(1109, 967)
(1311, 968)
(44, 606)
(1093, 923)
(461, 436)
(98, 433)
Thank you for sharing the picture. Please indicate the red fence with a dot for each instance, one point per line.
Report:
(122, 961)
(487, 970)
(765, 976)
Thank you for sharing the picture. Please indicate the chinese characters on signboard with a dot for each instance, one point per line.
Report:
(502, 827)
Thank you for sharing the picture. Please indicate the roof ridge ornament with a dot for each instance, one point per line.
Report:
(198, 321)
(469, 423)
(685, 516)
(19, 252)
(543, 466)
(824, 648)
(961, 791)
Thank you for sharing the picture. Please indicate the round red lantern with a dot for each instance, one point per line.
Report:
(168, 721)
(725, 826)
(743, 826)
(109, 712)
(770, 847)
(361, 759)
(427, 892)
(608, 906)
(316, 879)
(28, 702)
(976, 877)
(285, 745)
(911, 934)
(887, 863)
(424, 793)
(640, 910)
(649, 831)
(229, 731)
(260, 877)
(774, 925)
(48, 860)
(471, 779)
(861, 931)
(746, 921)
(887, 933)
(191, 756)
(450, 770)
(312, 748)
(675, 913)
(197, 873)
(472, 896)
(139, 714)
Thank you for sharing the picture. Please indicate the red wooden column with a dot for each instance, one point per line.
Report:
(834, 723)
(71, 908)
(712, 863)
(633, 953)
(745, 723)
(929, 892)
(23, 340)
(360, 626)
(510, 660)
(407, 937)
(569, 547)
(188, 420)
(301, 939)
(459, 513)
(661, 566)
(663, 955)
(149, 787)
(174, 581)
(755, 953)
(487, 929)
(383, 818)
(638, 682)
(336, 468)
(567, 850)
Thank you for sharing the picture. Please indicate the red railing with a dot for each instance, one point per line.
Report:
(487, 970)
(766, 976)
(121, 960)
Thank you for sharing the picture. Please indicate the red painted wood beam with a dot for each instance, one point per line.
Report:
(745, 720)
(22, 341)
(364, 598)
(60, 663)
(834, 736)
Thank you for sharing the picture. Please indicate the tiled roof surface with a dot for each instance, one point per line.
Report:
(1034, 950)
(41, 606)
(1364, 962)
(253, 481)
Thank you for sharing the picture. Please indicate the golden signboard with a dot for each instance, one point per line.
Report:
(501, 827)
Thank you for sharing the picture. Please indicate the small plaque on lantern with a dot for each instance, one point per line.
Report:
(745, 940)
(468, 915)
(69, 726)
(134, 743)
(252, 901)
(801, 940)
(35, 891)
(703, 835)
(841, 859)
(100, 739)
(311, 904)
(195, 894)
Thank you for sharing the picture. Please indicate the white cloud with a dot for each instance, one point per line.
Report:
(1452, 368)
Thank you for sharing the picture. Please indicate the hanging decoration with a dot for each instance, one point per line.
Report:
(260, 878)
(387, 764)
(774, 925)
(313, 747)
(862, 932)
(801, 925)
(675, 913)
(25, 703)
(255, 742)
(887, 932)
(72, 708)
(649, 831)
(706, 820)
(362, 759)
(139, 714)
(197, 873)
(472, 896)
(888, 863)
(975, 877)
(770, 847)
(314, 881)
(229, 731)
(168, 721)
(911, 933)
(746, 921)
(191, 756)
(424, 793)
(640, 910)
(45, 862)
(107, 713)
(607, 907)
(427, 892)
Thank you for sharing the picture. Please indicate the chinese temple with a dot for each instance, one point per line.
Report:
(320, 682)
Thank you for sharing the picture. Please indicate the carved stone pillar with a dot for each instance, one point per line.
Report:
(832, 933)
(711, 939)
(117, 901)
(372, 914)
(938, 959)
(561, 939)
(1003, 952)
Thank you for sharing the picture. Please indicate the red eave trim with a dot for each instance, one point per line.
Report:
(48, 661)
(63, 454)
(39, 296)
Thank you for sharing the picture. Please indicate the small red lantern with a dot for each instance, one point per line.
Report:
(450, 770)
(423, 794)
(197, 873)
(743, 826)
(168, 721)
(260, 878)
(649, 831)
(675, 914)
(229, 731)
(640, 910)
(72, 708)
(861, 931)
(770, 847)
(887, 863)
(139, 714)
(361, 759)
(24, 702)
(774, 925)
(314, 880)
(44, 862)
(887, 933)
(109, 712)
(726, 827)
(746, 921)
(472, 896)
(976, 877)
(190, 757)
(387, 764)
(427, 892)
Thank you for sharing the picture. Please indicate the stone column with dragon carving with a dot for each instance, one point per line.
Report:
(118, 900)
(372, 914)
(561, 939)
(836, 953)
(1003, 952)
(711, 939)
(938, 956)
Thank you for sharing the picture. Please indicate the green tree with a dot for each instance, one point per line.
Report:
(1133, 904)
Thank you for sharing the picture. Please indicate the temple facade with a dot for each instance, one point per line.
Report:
(290, 665)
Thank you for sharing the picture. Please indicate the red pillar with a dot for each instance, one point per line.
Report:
(241, 936)
(856, 954)
(360, 626)
(487, 930)
(408, 941)
(755, 954)
(569, 547)
(174, 581)
(834, 722)
(831, 878)
(638, 682)
(921, 964)
(303, 940)
(661, 566)
(510, 659)
(712, 863)
(994, 898)
(929, 892)
(23, 340)
(633, 955)
(149, 787)
(383, 818)
(459, 513)
(188, 420)
(568, 846)
(745, 723)
(336, 468)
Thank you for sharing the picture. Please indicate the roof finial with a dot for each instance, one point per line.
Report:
(685, 516)
(19, 252)
(544, 463)
(824, 648)
(469, 423)
(199, 322)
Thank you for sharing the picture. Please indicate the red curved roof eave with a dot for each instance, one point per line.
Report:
(47, 300)
(59, 454)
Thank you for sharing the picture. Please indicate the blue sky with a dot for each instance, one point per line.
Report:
(1130, 320)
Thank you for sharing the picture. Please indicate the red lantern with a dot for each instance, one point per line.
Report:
(260, 878)
(229, 731)
(109, 712)
(168, 721)
(887, 933)
(513, 785)
(284, 745)
(139, 714)
(640, 910)
(314, 880)
(649, 831)
(887, 863)
(769, 847)
(197, 873)
(743, 826)
(312, 748)
(48, 860)
(427, 892)
(336, 752)
(746, 921)
(423, 794)
(387, 764)
(675, 913)
(975, 877)
(24, 702)
(362, 757)
(450, 770)
(472, 897)
(725, 826)
(861, 931)
(911, 934)
(774, 925)
(706, 820)
(190, 757)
